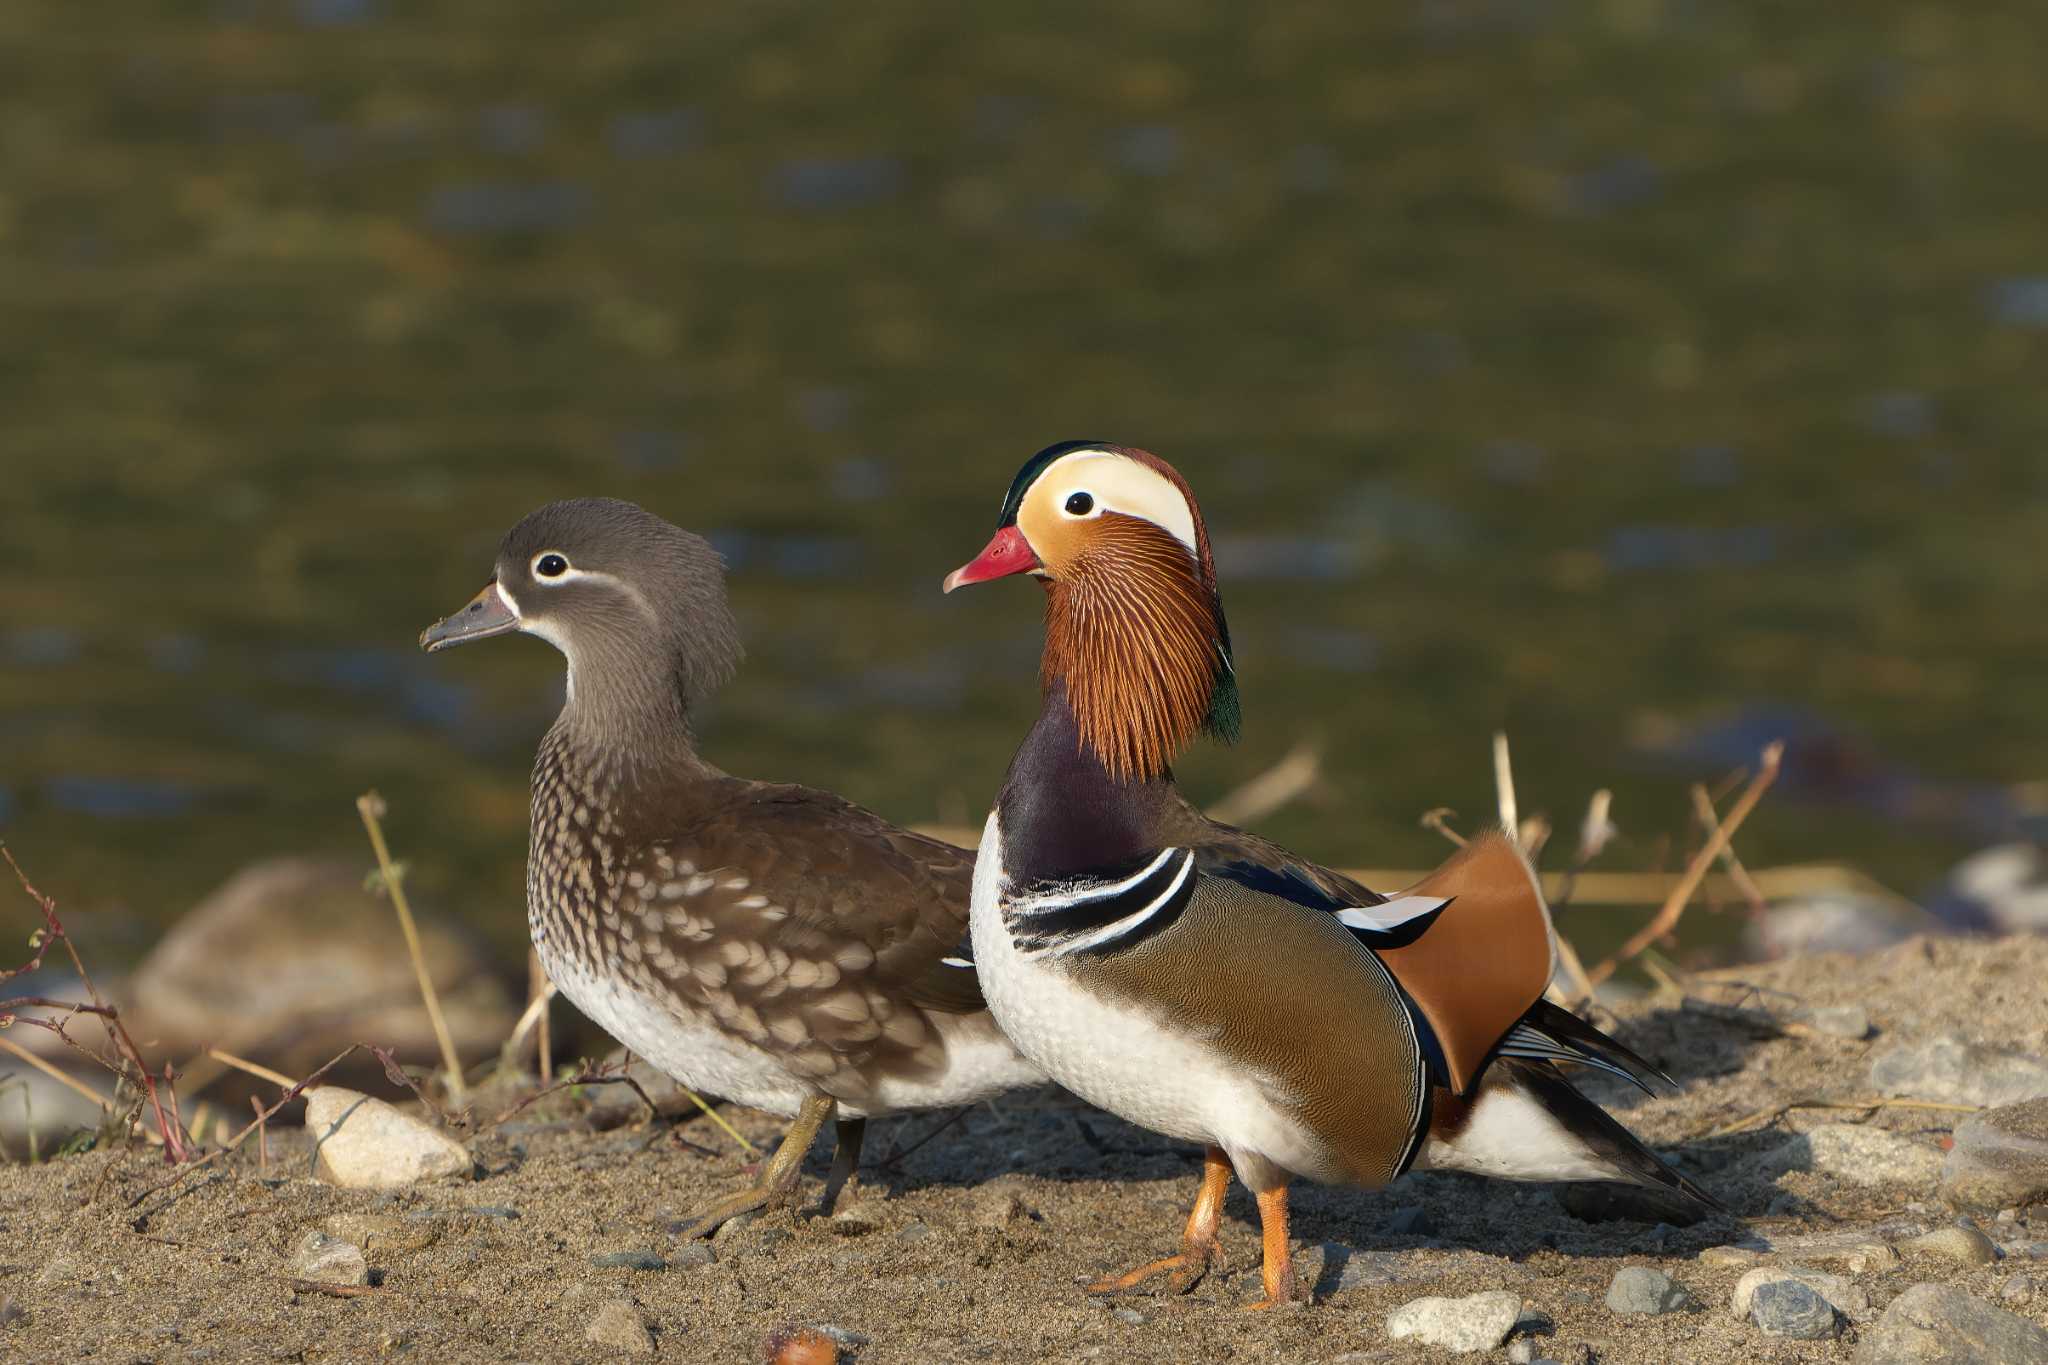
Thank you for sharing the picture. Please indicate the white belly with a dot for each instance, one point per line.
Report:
(980, 1062)
(703, 1058)
(1118, 1056)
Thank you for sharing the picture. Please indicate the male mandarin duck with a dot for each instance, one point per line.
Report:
(768, 943)
(1202, 982)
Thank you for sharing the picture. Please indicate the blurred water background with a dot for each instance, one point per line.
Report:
(1647, 377)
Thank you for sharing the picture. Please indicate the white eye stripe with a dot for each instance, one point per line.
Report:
(1118, 483)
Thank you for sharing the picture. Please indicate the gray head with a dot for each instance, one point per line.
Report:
(635, 604)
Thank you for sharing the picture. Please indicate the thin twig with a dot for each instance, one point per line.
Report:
(1765, 1117)
(1674, 905)
(1703, 811)
(338, 1291)
(262, 1135)
(542, 990)
(534, 1017)
(896, 1158)
(371, 807)
(1596, 831)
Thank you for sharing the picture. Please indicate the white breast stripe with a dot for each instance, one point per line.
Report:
(1060, 900)
(1132, 922)
(1380, 919)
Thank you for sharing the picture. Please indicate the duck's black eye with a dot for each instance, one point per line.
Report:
(551, 566)
(1080, 505)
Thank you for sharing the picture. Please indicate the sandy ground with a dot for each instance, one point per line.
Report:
(974, 1246)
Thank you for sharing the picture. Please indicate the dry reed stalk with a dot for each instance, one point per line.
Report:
(14, 1049)
(1272, 789)
(371, 807)
(259, 1071)
(1703, 811)
(1437, 818)
(1504, 787)
(1767, 1116)
(1668, 914)
(262, 1136)
(540, 989)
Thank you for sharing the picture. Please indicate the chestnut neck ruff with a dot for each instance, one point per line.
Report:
(1137, 636)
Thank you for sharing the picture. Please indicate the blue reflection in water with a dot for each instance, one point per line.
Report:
(119, 798)
(824, 183)
(2021, 300)
(1633, 548)
(40, 646)
(549, 206)
(657, 132)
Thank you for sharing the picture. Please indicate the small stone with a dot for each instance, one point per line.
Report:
(11, 1313)
(858, 1221)
(734, 1229)
(1856, 1252)
(636, 1259)
(2017, 1289)
(694, 1254)
(1000, 1209)
(1840, 1292)
(1860, 1155)
(1966, 1246)
(1787, 1308)
(1838, 1021)
(1413, 1221)
(329, 1260)
(1477, 1322)
(379, 1233)
(1129, 1317)
(913, 1232)
(1730, 1256)
(364, 1143)
(1942, 1325)
(1639, 1289)
(1958, 1072)
(767, 1239)
(2000, 1157)
(618, 1325)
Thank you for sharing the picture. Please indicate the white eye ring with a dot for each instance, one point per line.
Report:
(1081, 504)
(552, 566)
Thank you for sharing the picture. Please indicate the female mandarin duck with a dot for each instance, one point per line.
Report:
(764, 942)
(1204, 983)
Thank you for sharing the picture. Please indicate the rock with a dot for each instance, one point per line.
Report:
(1129, 1317)
(914, 1232)
(1787, 1308)
(1730, 1256)
(2018, 1289)
(329, 1260)
(292, 960)
(638, 1258)
(734, 1230)
(1839, 922)
(1477, 1322)
(1958, 1072)
(377, 1233)
(619, 1326)
(694, 1254)
(1838, 1021)
(365, 1144)
(11, 1313)
(1857, 1252)
(2000, 1157)
(1938, 1324)
(858, 1221)
(1858, 1155)
(1965, 1246)
(1639, 1289)
(1840, 1292)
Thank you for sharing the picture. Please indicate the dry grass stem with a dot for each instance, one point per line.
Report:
(259, 1071)
(1674, 905)
(533, 1019)
(371, 807)
(1763, 1118)
(57, 1074)
(1437, 818)
(262, 1135)
(1504, 786)
(1272, 789)
(539, 988)
(1703, 810)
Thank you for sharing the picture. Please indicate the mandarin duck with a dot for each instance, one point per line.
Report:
(769, 943)
(1202, 982)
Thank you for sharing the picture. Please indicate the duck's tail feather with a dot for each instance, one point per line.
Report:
(1548, 1033)
(1526, 1122)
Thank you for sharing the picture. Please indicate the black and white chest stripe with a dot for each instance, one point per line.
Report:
(1060, 919)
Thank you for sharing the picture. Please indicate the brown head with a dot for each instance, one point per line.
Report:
(1134, 626)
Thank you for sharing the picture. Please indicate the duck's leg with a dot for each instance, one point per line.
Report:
(778, 1177)
(1278, 1269)
(1198, 1244)
(845, 1161)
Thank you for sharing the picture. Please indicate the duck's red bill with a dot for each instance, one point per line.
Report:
(1008, 553)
